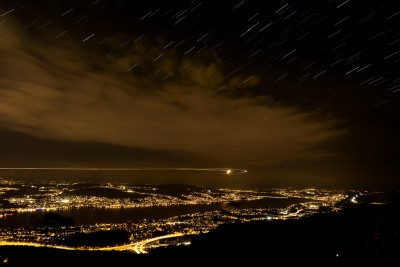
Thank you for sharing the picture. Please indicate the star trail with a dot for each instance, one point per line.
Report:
(295, 92)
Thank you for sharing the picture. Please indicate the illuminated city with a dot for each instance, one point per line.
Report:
(141, 235)
(199, 133)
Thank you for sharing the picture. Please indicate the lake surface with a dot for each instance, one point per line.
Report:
(85, 216)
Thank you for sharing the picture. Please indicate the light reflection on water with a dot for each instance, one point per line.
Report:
(86, 216)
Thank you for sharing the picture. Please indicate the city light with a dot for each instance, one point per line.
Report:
(65, 196)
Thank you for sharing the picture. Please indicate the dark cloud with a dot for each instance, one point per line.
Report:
(61, 91)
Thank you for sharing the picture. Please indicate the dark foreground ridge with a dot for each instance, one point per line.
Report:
(363, 235)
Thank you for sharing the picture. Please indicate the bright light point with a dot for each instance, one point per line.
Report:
(269, 218)
(228, 171)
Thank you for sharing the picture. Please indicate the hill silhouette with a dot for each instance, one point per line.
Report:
(365, 235)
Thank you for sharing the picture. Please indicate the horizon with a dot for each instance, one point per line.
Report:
(200, 131)
(294, 93)
(122, 177)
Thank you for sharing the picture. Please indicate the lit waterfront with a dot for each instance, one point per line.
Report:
(188, 211)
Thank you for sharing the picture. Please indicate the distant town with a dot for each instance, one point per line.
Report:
(44, 204)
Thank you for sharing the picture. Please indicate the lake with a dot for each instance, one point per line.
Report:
(86, 216)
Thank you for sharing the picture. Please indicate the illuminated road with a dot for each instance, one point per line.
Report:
(31, 244)
(138, 247)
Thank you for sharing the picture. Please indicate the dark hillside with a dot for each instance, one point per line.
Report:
(363, 235)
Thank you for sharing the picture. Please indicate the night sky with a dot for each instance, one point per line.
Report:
(294, 92)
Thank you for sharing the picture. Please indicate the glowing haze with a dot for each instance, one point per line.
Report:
(74, 105)
(62, 97)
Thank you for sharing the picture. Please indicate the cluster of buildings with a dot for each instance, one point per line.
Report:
(58, 196)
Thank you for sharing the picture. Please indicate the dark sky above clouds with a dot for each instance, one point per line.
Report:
(295, 92)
